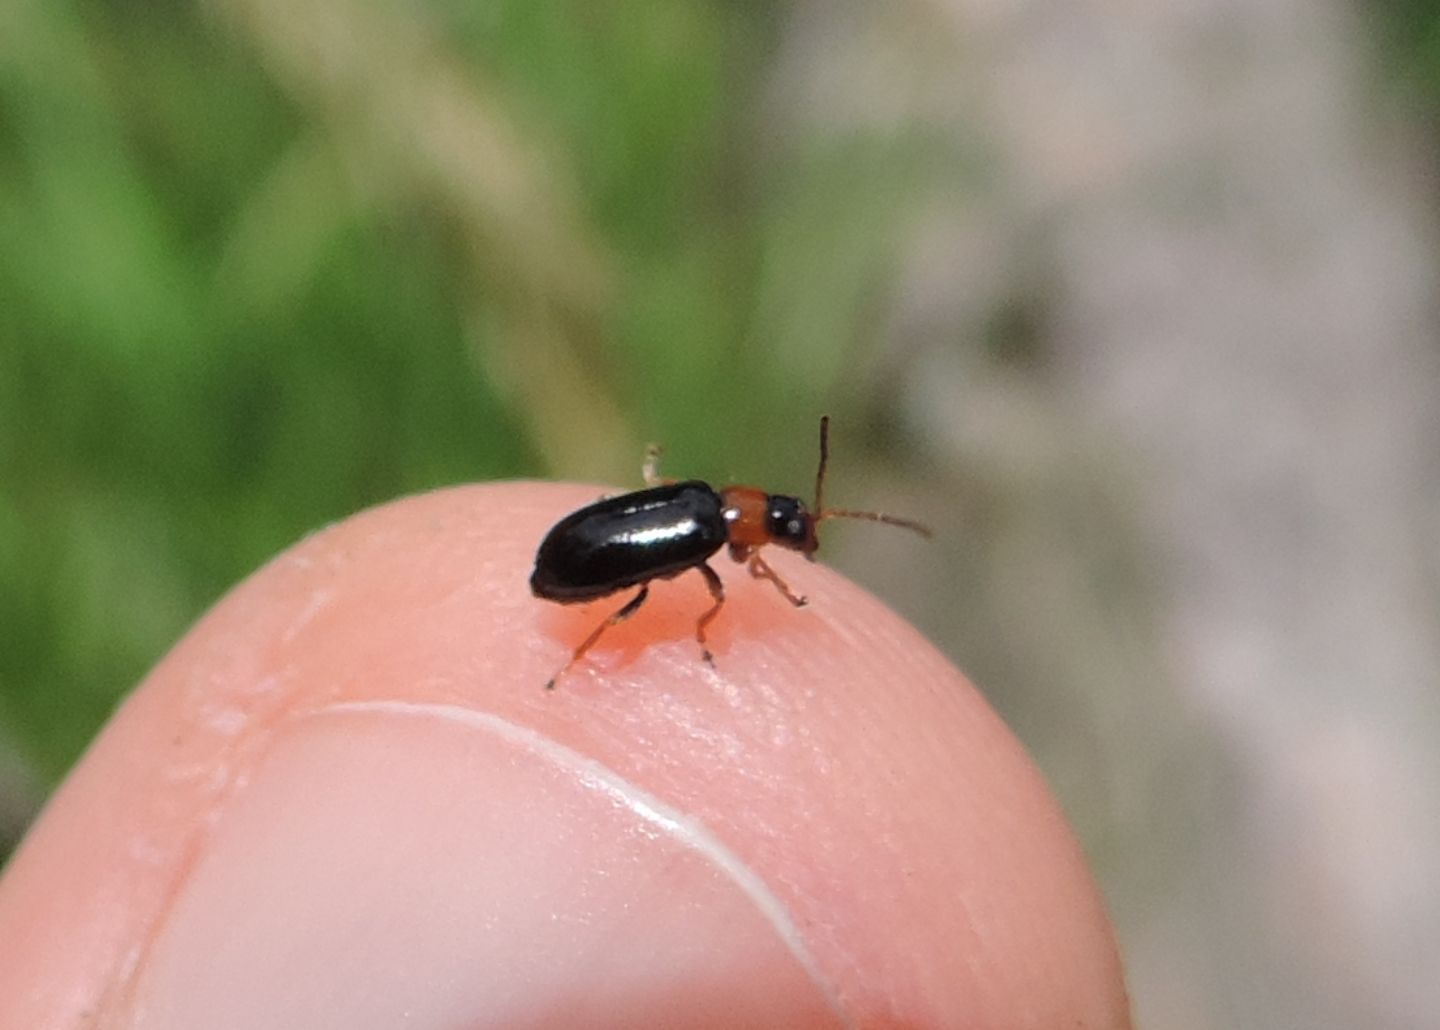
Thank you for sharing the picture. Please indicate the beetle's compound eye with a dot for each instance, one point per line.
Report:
(787, 522)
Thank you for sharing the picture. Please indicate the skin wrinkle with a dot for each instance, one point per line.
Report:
(685, 830)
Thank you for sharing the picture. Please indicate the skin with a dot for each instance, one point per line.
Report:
(345, 800)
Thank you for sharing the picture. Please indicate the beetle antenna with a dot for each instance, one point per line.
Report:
(824, 460)
(875, 516)
(822, 513)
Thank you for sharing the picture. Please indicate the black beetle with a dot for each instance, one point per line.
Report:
(670, 527)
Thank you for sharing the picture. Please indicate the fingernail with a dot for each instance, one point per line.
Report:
(417, 867)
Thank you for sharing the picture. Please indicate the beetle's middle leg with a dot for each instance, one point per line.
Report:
(630, 608)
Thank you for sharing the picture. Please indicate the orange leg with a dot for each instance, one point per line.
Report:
(717, 591)
(760, 570)
(631, 607)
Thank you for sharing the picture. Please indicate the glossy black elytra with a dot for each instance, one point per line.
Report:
(662, 531)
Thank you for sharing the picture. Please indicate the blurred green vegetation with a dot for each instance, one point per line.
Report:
(262, 265)
(1408, 34)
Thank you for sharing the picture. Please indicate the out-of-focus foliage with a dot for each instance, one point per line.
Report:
(264, 264)
(1408, 36)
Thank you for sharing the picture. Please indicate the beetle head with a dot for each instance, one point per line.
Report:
(788, 524)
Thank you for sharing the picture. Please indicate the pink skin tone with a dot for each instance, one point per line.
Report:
(345, 800)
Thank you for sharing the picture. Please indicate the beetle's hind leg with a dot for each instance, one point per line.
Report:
(760, 570)
(717, 591)
(630, 608)
(650, 467)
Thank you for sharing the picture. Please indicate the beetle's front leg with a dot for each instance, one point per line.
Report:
(760, 570)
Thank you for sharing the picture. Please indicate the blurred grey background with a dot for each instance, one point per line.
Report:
(1136, 303)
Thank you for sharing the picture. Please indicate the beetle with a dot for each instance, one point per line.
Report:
(674, 526)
